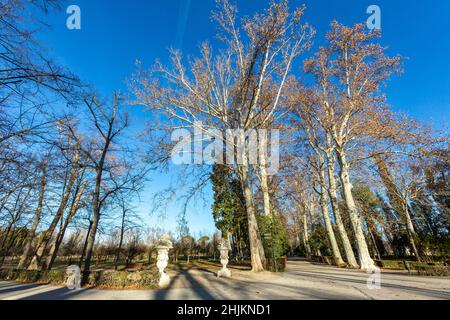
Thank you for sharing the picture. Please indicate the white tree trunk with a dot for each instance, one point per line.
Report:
(312, 208)
(365, 261)
(328, 226)
(306, 235)
(265, 191)
(410, 229)
(256, 248)
(348, 250)
(262, 155)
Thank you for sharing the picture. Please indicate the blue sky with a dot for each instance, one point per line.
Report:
(116, 33)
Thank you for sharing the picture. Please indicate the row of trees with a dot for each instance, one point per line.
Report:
(240, 87)
(338, 134)
(64, 159)
(357, 181)
(136, 245)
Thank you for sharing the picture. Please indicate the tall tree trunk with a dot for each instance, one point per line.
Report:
(305, 235)
(42, 251)
(96, 207)
(365, 261)
(59, 239)
(312, 208)
(398, 201)
(96, 201)
(262, 148)
(122, 231)
(83, 252)
(265, 191)
(91, 238)
(313, 216)
(348, 250)
(375, 247)
(37, 218)
(256, 248)
(411, 231)
(328, 226)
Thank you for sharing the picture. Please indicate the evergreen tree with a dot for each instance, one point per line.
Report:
(229, 209)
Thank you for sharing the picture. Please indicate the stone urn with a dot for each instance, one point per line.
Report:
(73, 281)
(164, 245)
(224, 248)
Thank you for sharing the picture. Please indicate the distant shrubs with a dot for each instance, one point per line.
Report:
(123, 279)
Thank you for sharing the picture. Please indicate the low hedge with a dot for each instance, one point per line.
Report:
(103, 278)
(439, 271)
(122, 279)
(421, 268)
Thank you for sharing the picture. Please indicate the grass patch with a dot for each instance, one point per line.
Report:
(123, 279)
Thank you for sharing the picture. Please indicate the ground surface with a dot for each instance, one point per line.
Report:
(302, 280)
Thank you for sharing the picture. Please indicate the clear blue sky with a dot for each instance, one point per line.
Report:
(116, 33)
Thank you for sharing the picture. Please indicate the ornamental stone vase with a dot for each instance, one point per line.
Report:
(164, 245)
(224, 248)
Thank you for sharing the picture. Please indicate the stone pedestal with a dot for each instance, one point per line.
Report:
(73, 281)
(224, 248)
(163, 258)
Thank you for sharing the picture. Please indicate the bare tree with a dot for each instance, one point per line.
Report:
(240, 88)
(128, 219)
(113, 167)
(308, 115)
(37, 218)
(400, 194)
(109, 127)
(26, 74)
(349, 73)
(72, 173)
(76, 204)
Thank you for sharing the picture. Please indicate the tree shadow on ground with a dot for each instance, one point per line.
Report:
(184, 273)
(432, 293)
(162, 294)
(56, 294)
(4, 285)
(16, 288)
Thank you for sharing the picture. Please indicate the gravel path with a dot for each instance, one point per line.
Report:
(302, 280)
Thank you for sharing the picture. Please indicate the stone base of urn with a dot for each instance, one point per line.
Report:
(225, 273)
(164, 280)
